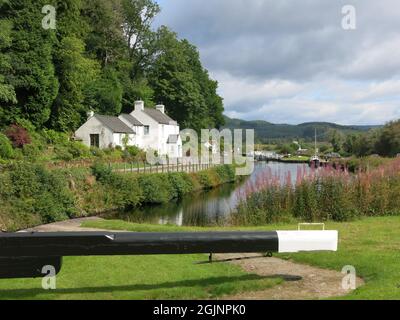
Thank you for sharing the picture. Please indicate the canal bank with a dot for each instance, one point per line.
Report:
(32, 195)
(211, 207)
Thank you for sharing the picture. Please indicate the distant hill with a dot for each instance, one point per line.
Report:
(266, 131)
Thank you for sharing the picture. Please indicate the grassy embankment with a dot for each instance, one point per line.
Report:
(371, 245)
(31, 195)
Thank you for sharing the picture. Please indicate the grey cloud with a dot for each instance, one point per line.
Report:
(291, 40)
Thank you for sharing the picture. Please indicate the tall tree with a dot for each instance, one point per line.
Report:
(31, 51)
(388, 142)
(180, 82)
(140, 38)
(74, 69)
(106, 38)
(7, 92)
(105, 94)
(76, 73)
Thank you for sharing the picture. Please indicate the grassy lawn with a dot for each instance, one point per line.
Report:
(139, 277)
(371, 245)
(296, 158)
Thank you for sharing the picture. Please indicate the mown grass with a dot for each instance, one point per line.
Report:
(139, 277)
(371, 245)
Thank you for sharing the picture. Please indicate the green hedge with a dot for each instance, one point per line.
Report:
(30, 189)
(30, 194)
(160, 187)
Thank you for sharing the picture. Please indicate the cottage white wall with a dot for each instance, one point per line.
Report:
(175, 150)
(94, 126)
(150, 141)
(119, 140)
(171, 150)
(159, 134)
(137, 139)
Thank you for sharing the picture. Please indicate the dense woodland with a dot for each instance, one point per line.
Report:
(103, 55)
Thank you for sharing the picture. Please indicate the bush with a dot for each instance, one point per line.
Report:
(102, 172)
(97, 152)
(18, 135)
(55, 138)
(113, 154)
(157, 188)
(38, 191)
(78, 150)
(6, 149)
(122, 190)
(62, 153)
(226, 173)
(30, 151)
(181, 183)
(205, 180)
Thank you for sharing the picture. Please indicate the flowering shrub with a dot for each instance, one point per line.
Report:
(18, 136)
(322, 195)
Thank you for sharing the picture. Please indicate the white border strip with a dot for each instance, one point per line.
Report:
(298, 241)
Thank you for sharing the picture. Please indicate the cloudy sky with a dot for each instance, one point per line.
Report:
(291, 61)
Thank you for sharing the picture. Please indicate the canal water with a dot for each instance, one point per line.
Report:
(212, 207)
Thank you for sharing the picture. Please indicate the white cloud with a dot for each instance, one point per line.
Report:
(290, 61)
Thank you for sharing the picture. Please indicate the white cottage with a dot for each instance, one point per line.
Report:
(105, 132)
(148, 129)
(161, 133)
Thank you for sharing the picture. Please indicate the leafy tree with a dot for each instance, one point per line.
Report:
(105, 94)
(30, 56)
(7, 92)
(106, 38)
(336, 139)
(6, 149)
(140, 39)
(102, 55)
(76, 72)
(388, 142)
(180, 82)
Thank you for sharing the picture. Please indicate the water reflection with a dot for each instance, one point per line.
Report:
(207, 208)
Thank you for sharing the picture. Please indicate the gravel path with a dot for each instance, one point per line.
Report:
(301, 281)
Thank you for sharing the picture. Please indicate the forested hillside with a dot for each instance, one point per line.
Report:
(102, 56)
(266, 131)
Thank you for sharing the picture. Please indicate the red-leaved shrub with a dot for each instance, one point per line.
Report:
(18, 136)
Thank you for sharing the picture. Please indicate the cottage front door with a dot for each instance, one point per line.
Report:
(95, 140)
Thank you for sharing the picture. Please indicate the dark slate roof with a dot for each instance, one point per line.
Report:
(160, 117)
(132, 120)
(173, 139)
(115, 124)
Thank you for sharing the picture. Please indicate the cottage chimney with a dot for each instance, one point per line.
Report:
(139, 105)
(161, 108)
(90, 114)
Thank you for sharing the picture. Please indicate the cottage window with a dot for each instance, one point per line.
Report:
(146, 130)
